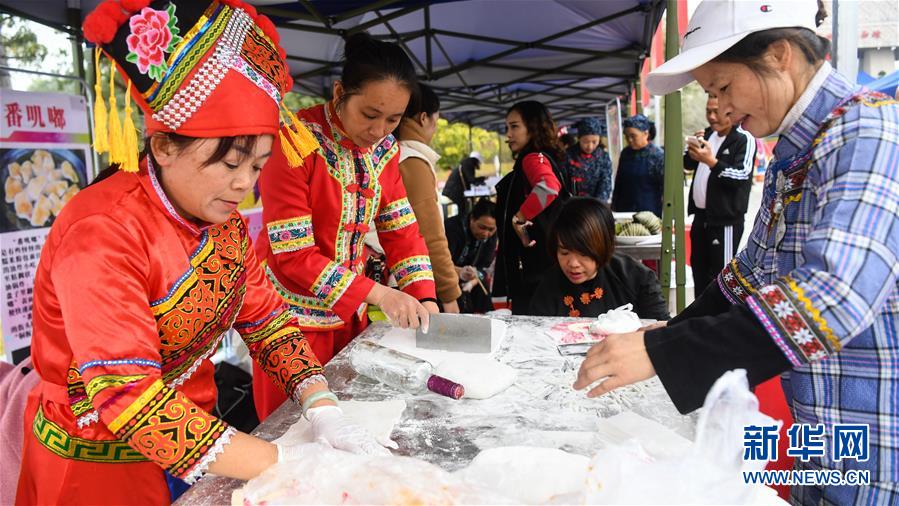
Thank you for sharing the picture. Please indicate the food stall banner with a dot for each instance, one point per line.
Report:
(45, 159)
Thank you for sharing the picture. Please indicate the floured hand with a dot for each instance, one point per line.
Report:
(331, 427)
(620, 358)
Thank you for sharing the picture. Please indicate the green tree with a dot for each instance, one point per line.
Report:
(19, 46)
(693, 100)
(295, 101)
(454, 142)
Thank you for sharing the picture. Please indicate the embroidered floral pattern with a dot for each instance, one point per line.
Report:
(585, 299)
(732, 283)
(309, 311)
(332, 283)
(395, 215)
(789, 322)
(412, 269)
(153, 34)
(290, 235)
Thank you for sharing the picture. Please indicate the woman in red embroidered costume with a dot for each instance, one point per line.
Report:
(144, 271)
(316, 216)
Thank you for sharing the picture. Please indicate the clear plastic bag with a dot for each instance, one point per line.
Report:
(706, 472)
(710, 472)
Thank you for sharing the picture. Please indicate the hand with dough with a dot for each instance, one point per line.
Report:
(331, 427)
(620, 358)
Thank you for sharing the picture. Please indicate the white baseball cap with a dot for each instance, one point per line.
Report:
(717, 25)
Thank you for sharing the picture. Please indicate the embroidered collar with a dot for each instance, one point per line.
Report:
(813, 106)
(162, 200)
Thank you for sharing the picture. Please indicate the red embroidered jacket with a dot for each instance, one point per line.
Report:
(316, 217)
(130, 301)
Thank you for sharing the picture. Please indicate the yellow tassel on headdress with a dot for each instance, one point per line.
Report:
(116, 154)
(101, 131)
(293, 158)
(130, 136)
(302, 138)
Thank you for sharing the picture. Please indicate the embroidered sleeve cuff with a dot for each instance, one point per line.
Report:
(394, 216)
(279, 347)
(709, 303)
(411, 270)
(289, 235)
(733, 284)
(169, 429)
(306, 383)
(203, 466)
(690, 356)
(332, 283)
(793, 323)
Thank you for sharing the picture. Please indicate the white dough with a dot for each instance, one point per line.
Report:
(481, 376)
(530, 474)
(403, 340)
(378, 418)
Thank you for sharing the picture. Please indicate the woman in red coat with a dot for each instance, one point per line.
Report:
(316, 216)
(145, 270)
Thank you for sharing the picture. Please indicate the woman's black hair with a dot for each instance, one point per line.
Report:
(567, 140)
(750, 49)
(541, 127)
(366, 59)
(182, 142)
(584, 225)
(425, 102)
(483, 207)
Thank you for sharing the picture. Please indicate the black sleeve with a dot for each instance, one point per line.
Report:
(711, 302)
(691, 355)
(545, 299)
(455, 237)
(689, 163)
(486, 255)
(737, 168)
(650, 303)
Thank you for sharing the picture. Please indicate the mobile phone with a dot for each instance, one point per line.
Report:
(693, 140)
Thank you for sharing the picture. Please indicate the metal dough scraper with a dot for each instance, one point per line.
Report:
(456, 332)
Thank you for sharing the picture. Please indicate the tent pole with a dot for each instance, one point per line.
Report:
(74, 16)
(638, 94)
(499, 152)
(673, 209)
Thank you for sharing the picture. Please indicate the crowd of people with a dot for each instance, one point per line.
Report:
(122, 408)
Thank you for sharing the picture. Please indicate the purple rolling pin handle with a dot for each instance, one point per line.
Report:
(443, 386)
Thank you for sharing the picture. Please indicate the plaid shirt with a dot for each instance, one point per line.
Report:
(821, 270)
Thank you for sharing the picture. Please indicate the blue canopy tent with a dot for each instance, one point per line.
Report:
(886, 84)
(480, 55)
(863, 77)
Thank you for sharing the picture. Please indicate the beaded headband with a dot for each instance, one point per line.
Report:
(196, 68)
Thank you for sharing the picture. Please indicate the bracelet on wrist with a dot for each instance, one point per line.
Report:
(317, 396)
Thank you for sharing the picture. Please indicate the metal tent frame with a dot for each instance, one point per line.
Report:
(577, 56)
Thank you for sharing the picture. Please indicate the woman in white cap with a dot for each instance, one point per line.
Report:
(814, 294)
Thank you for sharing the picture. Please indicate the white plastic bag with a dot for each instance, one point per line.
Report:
(620, 320)
(710, 472)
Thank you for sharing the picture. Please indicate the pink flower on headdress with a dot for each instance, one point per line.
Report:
(153, 34)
